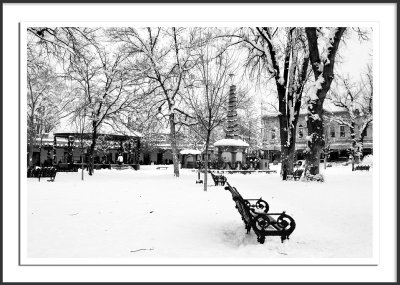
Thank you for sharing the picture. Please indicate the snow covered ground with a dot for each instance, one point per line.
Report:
(150, 214)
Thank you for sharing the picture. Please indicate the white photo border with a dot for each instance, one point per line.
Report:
(47, 12)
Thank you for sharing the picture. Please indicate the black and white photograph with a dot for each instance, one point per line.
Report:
(134, 134)
(200, 143)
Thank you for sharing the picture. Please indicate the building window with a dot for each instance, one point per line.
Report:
(301, 132)
(273, 134)
(332, 130)
(342, 132)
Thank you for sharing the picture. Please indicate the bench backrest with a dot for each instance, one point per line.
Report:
(213, 175)
(298, 172)
(240, 203)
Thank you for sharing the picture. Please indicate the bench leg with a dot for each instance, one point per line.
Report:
(261, 239)
(283, 238)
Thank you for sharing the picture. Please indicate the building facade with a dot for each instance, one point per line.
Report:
(157, 150)
(337, 136)
(65, 150)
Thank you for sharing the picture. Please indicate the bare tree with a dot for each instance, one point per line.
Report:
(357, 99)
(322, 60)
(96, 68)
(207, 94)
(279, 54)
(45, 95)
(81, 127)
(164, 60)
(108, 87)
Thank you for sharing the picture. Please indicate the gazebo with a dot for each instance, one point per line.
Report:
(231, 150)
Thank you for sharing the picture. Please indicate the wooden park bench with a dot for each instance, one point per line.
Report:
(255, 216)
(362, 167)
(162, 167)
(296, 174)
(218, 179)
(50, 172)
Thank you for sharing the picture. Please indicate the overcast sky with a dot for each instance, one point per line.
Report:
(354, 56)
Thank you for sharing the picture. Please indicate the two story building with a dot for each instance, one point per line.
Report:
(337, 136)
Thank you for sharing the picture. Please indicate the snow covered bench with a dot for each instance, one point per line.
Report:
(218, 179)
(39, 172)
(362, 167)
(296, 174)
(254, 213)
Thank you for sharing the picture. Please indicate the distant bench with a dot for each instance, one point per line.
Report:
(162, 167)
(296, 174)
(254, 213)
(362, 167)
(39, 172)
(218, 179)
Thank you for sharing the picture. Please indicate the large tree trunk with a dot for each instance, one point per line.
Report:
(353, 135)
(315, 141)
(290, 100)
(283, 129)
(324, 78)
(361, 148)
(288, 155)
(172, 137)
(288, 142)
(354, 148)
(361, 138)
(291, 153)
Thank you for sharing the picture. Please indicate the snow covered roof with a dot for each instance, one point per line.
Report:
(190, 151)
(231, 142)
(120, 129)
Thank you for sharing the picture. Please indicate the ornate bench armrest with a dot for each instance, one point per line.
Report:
(257, 205)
